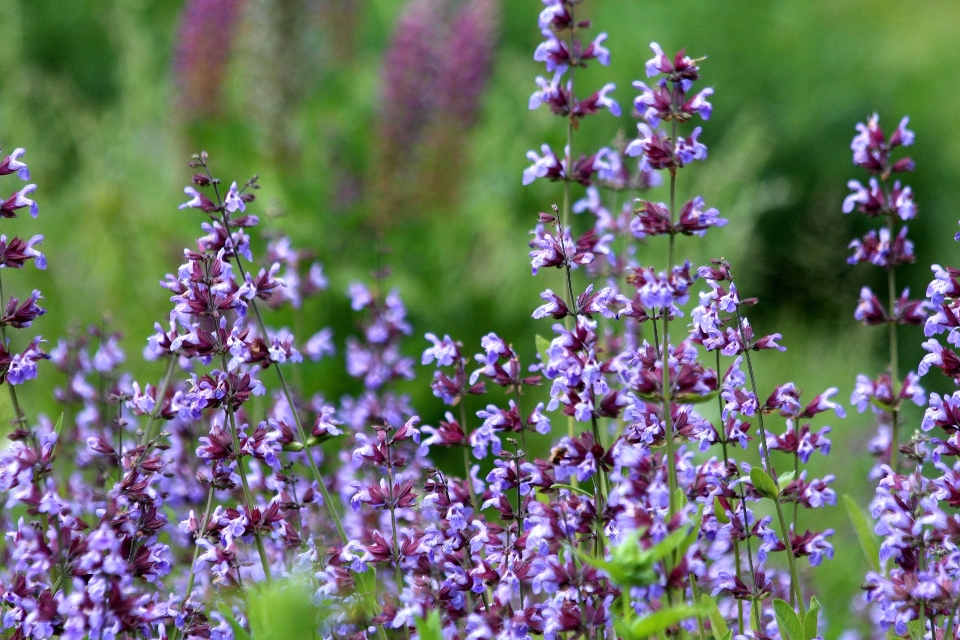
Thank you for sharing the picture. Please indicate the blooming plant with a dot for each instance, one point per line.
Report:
(225, 501)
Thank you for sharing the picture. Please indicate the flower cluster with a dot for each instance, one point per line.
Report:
(886, 247)
(146, 504)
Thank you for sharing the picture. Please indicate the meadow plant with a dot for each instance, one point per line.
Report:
(912, 587)
(179, 510)
(205, 42)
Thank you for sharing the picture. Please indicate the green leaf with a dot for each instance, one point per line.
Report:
(694, 532)
(570, 487)
(810, 621)
(719, 512)
(542, 346)
(719, 625)
(728, 635)
(784, 480)
(429, 628)
(239, 633)
(789, 623)
(282, 609)
(59, 425)
(763, 483)
(917, 628)
(691, 398)
(655, 623)
(868, 542)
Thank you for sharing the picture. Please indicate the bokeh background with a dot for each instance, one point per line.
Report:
(388, 132)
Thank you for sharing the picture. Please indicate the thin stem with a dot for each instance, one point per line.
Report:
(466, 460)
(696, 602)
(158, 405)
(787, 543)
(568, 169)
(201, 528)
(301, 434)
(246, 487)
(398, 575)
(746, 523)
(796, 505)
(523, 427)
(331, 508)
(665, 350)
(19, 416)
(894, 352)
(516, 462)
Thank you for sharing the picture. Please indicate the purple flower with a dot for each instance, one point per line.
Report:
(544, 166)
(596, 50)
(23, 366)
(19, 200)
(12, 164)
(320, 344)
(443, 351)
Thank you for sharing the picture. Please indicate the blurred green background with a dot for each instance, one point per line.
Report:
(90, 89)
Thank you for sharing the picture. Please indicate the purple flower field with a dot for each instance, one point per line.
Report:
(634, 471)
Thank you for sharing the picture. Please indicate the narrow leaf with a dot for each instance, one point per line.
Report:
(810, 621)
(655, 623)
(763, 483)
(693, 398)
(791, 628)
(784, 480)
(694, 532)
(917, 629)
(542, 346)
(709, 606)
(719, 512)
(570, 487)
(429, 628)
(868, 542)
(239, 633)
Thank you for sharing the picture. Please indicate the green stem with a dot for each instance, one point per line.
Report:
(667, 391)
(201, 528)
(695, 591)
(398, 575)
(466, 460)
(19, 416)
(158, 405)
(894, 351)
(246, 487)
(331, 508)
(565, 219)
(788, 546)
(746, 524)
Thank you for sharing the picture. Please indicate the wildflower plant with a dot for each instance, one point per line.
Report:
(911, 587)
(675, 500)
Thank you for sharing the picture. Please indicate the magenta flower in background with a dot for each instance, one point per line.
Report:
(205, 40)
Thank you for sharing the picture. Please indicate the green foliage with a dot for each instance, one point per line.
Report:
(789, 622)
(810, 621)
(88, 86)
(282, 610)
(570, 487)
(865, 535)
(429, 628)
(637, 628)
(718, 624)
(631, 565)
(764, 484)
(784, 481)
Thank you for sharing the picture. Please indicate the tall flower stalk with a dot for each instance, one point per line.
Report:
(887, 248)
